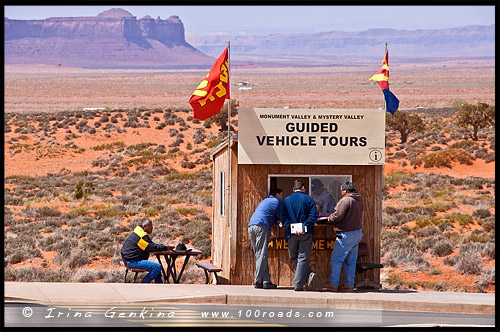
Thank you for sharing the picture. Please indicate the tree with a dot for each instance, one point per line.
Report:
(220, 119)
(404, 123)
(478, 116)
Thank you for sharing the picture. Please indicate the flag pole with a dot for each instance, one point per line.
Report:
(229, 133)
(382, 170)
(385, 104)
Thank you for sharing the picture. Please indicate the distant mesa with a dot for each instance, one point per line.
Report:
(112, 39)
(115, 12)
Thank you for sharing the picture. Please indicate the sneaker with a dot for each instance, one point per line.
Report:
(330, 288)
(298, 289)
(259, 285)
(269, 285)
(313, 282)
(345, 288)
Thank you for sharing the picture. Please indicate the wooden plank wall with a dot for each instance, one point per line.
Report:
(220, 230)
(252, 187)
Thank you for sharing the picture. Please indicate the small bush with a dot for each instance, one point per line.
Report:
(442, 248)
(181, 176)
(486, 279)
(213, 143)
(87, 275)
(469, 264)
(395, 280)
(77, 258)
(445, 158)
(449, 260)
(481, 213)
(31, 273)
(489, 250)
(488, 224)
(109, 146)
(426, 243)
(462, 219)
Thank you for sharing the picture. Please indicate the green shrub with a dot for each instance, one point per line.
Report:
(142, 153)
(146, 160)
(421, 223)
(109, 146)
(445, 158)
(441, 207)
(181, 176)
(184, 211)
(152, 212)
(25, 178)
(140, 146)
(83, 189)
(462, 219)
(108, 211)
(396, 178)
(395, 280)
(213, 143)
(470, 146)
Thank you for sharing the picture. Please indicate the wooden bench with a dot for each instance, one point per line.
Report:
(362, 267)
(209, 268)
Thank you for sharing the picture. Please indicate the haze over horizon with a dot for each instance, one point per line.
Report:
(262, 20)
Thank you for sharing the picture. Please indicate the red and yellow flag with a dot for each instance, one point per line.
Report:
(209, 96)
(382, 76)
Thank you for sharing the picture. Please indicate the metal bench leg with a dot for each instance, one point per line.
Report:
(207, 276)
(135, 276)
(216, 278)
(125, 277)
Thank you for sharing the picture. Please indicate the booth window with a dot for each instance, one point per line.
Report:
(322, 185)
(222, 193)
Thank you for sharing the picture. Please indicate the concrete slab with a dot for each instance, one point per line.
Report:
(282, 296)
(170, 293)
(79, 292)
(22, 291)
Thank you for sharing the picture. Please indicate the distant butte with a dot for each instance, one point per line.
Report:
(112, 39)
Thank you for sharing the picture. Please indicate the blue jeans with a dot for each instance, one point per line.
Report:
(153, 268)
(345, 251)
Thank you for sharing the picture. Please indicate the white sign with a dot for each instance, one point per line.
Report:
(311, 136)
(298, 228)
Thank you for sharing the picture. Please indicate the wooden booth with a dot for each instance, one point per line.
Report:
(273, 148)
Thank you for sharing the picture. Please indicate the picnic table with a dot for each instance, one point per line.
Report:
(170, 256)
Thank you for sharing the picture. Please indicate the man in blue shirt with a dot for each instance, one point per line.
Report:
(300, 208)
(265, 216)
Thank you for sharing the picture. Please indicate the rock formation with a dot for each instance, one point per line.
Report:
(114, 38)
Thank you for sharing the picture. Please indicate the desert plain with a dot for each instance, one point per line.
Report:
(45, 155)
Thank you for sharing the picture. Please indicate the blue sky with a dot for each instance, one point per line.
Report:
(283, 19)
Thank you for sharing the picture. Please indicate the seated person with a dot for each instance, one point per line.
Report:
(325, 203)
(136, 249)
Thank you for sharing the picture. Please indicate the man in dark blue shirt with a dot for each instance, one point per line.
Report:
(300, 209)
(259, 229)
(136, 248)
